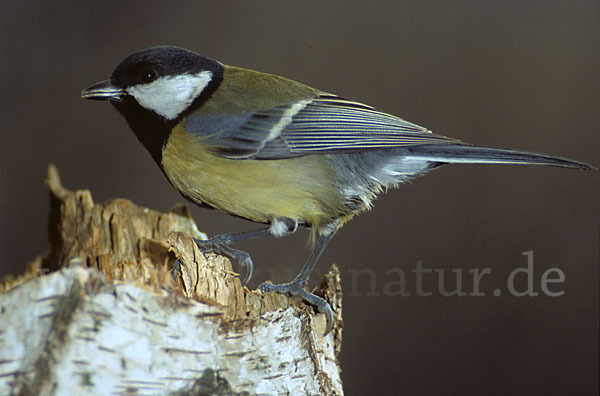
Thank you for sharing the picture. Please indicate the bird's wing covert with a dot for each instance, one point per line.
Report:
(325, 124)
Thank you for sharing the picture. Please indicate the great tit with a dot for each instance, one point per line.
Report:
(275, 151)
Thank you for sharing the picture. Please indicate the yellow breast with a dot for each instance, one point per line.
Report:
(258, 190)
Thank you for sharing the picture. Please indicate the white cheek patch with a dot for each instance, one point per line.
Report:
(170, 96)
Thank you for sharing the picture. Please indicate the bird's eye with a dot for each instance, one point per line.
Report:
(147, 75)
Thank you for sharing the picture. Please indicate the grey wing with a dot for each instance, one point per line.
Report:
(326, 124)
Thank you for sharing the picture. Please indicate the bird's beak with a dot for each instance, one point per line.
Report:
(104, 90)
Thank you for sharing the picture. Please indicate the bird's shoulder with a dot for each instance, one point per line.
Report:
(245, 90)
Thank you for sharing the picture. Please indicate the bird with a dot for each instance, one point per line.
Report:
(275, 151)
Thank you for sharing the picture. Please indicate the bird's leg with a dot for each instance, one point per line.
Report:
(280, 226)
(219, 244)
(296, 286)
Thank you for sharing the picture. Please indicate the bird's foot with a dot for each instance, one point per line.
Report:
(218, 245)
(296, 288)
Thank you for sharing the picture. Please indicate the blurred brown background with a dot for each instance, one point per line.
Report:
(499, 73)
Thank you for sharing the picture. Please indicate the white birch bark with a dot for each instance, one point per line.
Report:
(73, 333)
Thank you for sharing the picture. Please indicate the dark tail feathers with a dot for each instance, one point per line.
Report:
(464, 154)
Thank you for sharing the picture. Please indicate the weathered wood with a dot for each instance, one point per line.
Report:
(110, 319)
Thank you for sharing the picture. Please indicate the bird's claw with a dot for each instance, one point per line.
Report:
(176, 269)
(295, 288)
(219, 247)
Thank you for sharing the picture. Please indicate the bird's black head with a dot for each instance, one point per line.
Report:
(155, 87)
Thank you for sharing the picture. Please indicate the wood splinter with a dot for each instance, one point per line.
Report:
(101, 311)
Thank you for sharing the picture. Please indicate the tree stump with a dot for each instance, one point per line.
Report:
(102, 314)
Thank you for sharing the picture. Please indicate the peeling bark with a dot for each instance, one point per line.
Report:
(110, 319)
